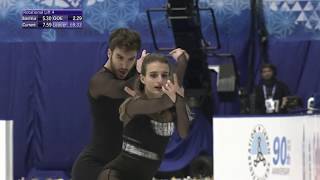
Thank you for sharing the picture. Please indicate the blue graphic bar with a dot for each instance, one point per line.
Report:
(52, 18)
(52, 12)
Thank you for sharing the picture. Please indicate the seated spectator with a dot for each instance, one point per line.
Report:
(270, 94)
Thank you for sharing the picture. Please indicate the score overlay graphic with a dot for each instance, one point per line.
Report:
(52, 18)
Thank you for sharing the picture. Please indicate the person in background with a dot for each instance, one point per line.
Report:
(270, 94)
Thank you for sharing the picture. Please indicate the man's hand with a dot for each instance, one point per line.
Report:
(179, 54)
(140, 61)
(130, 91)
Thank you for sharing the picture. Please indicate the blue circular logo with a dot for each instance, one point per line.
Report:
(259, 153)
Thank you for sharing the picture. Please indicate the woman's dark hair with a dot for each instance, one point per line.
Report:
(126, 39)
(270, 66)
(151, 58)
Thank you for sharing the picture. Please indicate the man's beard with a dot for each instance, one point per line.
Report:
(116, 71)
(112, 68)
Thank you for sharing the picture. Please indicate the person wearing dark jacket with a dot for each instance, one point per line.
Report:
(270, 94)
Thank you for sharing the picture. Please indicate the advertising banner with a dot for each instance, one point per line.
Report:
(262, 148)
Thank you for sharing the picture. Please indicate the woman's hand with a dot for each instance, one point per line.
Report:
(170, 89)
(140, 61)
(130, 91)
(179, 54)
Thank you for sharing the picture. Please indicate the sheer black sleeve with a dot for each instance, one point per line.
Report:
(104, 83)
(139, 105)
(181, 67)
(181, 111)
(183, 121)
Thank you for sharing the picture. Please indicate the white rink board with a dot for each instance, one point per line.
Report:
(6, 150)
(267, 148)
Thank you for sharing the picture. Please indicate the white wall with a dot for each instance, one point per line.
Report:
(6, 150)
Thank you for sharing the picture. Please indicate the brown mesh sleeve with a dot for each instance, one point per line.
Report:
(181, 67)
(182, 117)
(105, 84)
(139, 105)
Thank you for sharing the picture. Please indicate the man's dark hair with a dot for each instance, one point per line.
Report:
(125, 39)
(270, 66)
